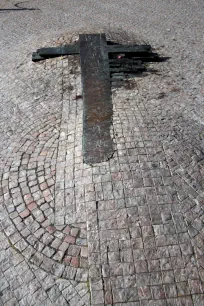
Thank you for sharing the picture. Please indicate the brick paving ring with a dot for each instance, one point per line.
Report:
(29, 200)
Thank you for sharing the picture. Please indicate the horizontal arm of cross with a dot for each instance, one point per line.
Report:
(44, 53)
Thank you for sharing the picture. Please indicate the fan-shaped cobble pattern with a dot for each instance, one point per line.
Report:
(29, 194)
(28, 187)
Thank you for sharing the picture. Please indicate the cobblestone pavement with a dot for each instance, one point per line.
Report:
(128, 231)
(41, 264)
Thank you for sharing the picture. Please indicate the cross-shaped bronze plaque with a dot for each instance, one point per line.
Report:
(99, 62)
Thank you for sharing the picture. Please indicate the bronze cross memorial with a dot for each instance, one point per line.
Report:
(102, 63)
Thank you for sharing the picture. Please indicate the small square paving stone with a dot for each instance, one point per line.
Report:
(119, 295)
(37, 258)
(10, 273)
(61, 301)
(48, 212)
(3, 283)
(33, 186)
(62, 283)
(48, 282)
(58, 256)
(10, 230)
(158, 292)
(70, 239)
(39, 232)
(144, 293)
(141, 266)
(97, 297)
(170, 290)
(43, 186)
(41, 201)
(26, 300)
(15, 238)
(76, 300)
(69, 292)
(48, 251)
(183, 289)
(20, 226)
(74, 250)
(165, 264)
(198, 299)
(131, 294)
(19, 293)
(57, 269)
(84, 252)
(50, 182)
(59, 235)
(168, 277)
(75, 262)
(67, 229)
(17, 220)
(33, 286)
(13, 215)
(20, 208)
(53, 293)
(113, 257)
(47, 238)
(142, 279)
(74, 232)
(28, 198)
(81, 275)
(44, 206)
(51, 229)
(56, 243)
(40, 295)
(25, 232)
(185, 301)
(32, 226)
(28, 252)
(81, 241)
(47, 263)
(21, 245)
(64, 246)
(67, 259)
(195, 286)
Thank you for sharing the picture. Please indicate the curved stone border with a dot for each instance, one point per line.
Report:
(28, 184)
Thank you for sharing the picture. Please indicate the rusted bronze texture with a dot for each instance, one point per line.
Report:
(98, 110)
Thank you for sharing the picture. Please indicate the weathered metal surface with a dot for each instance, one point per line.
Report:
(123, 63)
(135, 59)
(97, 142)
(44, 53)
(58, 51)
(103, 65)
(36, 57)
(128, 48)
(128, 68)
